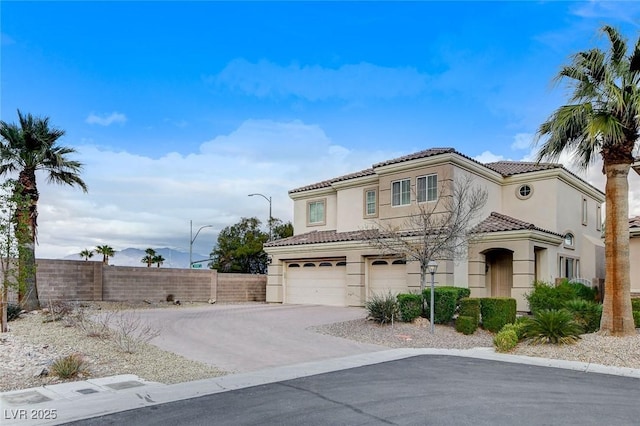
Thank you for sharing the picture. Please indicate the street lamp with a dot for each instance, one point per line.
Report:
(192, 239)
(432, 266)
(270, 221)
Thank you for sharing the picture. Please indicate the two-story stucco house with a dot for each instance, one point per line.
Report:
(540, 222)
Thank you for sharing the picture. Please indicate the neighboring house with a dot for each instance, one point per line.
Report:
(541, 222)
(634, 254)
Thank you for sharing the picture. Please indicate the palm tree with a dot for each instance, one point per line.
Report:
(25, 149)
(106, 252)
(603, 117)
(86, 254)
(158, 259)
(149, 258)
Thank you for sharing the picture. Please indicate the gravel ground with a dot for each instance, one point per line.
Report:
(31, 346)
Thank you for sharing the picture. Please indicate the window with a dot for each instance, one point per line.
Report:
(524, 191)
(370, 202)
(584, 211)
(598, 217)
(569, 240)
(427, 188)
(315, 212)
(401, 192)
(568, 267)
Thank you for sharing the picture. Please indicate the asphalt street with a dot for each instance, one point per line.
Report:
(420, 390)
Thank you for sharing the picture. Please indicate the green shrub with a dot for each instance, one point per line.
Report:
(635, 304)
(548, 296)
(585, 313)
(469, 307)
(505, 340)
(517, 327)
(552, 326)
(445, 299)
(13, 311)
(496, 312)
(410, 306)
(383, 308)
(582, 291)
(636, 318)
(466, 325)
(68, 366)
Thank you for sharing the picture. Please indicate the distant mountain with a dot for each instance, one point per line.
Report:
(133, 257)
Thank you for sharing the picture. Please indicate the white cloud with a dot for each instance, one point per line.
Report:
(488, 157)
(136, 201)
(522, 141)
(106, 120)
(316, 83)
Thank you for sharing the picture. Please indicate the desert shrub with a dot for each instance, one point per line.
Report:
(552, 326)
(636, 318)
(68, 366)
(170, 298)
(97, 326)
(382, 308)
(466, 325)
(505, 340)
(60, 311)
(635, 304)
(548, 296)
(517, 327)
(585, 313)
(13, 311)
(130, 332)
(444, 299)
(410, 306)
(582, 291)
(496, 312)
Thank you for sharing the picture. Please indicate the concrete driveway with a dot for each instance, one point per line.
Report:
(243, 338)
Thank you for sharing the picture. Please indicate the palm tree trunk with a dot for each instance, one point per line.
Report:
(617, 318)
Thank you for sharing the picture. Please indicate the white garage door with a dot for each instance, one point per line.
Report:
(387, 275)
(316, 282)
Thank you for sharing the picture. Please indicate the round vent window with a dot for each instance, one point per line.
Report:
(524, 191)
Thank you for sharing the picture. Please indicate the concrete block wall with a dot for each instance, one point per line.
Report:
(77, 280)
(241, 287)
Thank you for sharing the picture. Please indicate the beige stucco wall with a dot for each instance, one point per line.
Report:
(329, 196)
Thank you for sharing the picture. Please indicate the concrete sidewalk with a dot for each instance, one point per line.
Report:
(80, 400)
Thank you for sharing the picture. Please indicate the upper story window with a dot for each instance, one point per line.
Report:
(585, 213)
(569, 240)
(524, 191)
(427, 188)
(370, 202)
(598, 217)
(401, 192)
(316, 212)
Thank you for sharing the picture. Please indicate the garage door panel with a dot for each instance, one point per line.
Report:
(385, 276)
(321, 285)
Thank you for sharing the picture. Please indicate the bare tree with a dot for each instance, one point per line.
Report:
(437, 230)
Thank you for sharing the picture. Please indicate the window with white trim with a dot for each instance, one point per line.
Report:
(569, 240)
(370, 202)
(427, 188)
(401, 192)
(598, 217)
(316, 212)
(585, 213)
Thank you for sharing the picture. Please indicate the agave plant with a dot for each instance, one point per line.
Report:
(552, 326)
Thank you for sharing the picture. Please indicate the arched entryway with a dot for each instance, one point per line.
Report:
(499, 277)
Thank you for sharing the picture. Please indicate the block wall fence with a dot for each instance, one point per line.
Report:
(73, 280)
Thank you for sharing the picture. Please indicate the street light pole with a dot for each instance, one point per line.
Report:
(433, 267)
(192, 239)
(270, 218)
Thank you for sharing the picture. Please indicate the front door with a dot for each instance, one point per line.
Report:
(501, 272)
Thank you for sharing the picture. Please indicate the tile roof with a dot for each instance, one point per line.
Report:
(497, 222)
(634, 222)
(327, 183)
(417, 155)
(510, 168)
(318, 237)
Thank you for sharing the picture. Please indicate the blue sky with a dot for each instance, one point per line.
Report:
(180, 109)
